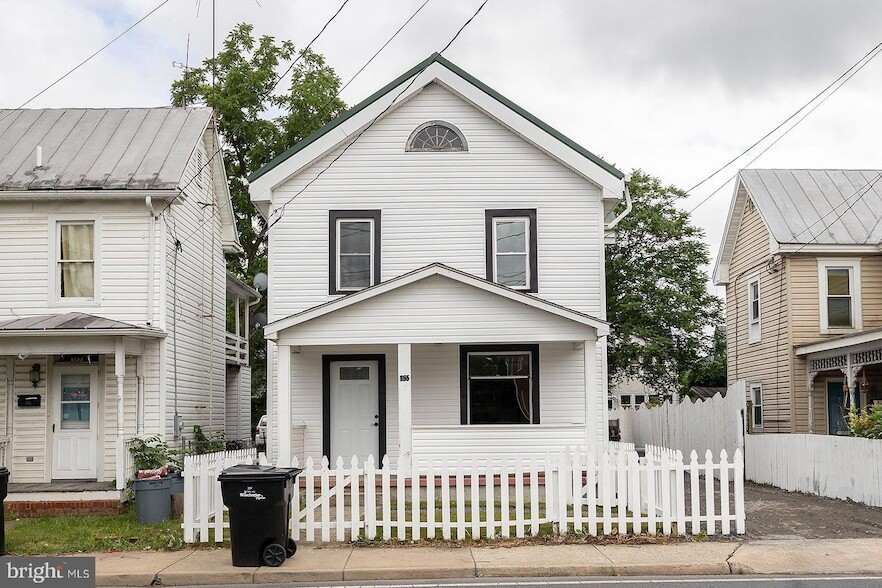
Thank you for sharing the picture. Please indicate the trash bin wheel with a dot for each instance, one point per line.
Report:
(273, 555)
(290, 548)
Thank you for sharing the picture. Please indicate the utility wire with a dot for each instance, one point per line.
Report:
(263, 99)
(340, 91)
(280, 211)
(841, 81)
(89, 58)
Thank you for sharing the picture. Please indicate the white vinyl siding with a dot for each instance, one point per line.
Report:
(436, 397)
(436, 310)
(754, 311)
(433, 207)
(839, 288)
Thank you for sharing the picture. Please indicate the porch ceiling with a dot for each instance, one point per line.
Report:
(436, 304)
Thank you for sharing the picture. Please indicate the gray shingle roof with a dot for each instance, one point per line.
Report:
(113, 148)
(66, 321)
(823, 206)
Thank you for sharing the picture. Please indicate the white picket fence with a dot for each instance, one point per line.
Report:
(203, 504)
(562, 493)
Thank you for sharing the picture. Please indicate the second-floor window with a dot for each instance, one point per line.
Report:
(839, 289)
(754, 326)
(511, 248)
(75, 265)
(354, 250)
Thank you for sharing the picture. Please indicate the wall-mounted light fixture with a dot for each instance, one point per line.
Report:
(35, 374)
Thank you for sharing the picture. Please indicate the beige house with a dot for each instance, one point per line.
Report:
(802, 265)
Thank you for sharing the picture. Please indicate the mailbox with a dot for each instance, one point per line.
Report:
(28, 400)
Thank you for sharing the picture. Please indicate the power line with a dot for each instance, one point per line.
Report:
(281, 210)
(875, 52)
(324, 107)
(89, 58)
(263, 99)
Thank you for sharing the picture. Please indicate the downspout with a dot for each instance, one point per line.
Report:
(151, 315)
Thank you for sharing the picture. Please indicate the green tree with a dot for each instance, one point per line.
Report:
(657, 299)
(257, 121)
(710, 370)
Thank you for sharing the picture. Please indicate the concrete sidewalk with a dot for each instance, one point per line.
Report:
(336, 563)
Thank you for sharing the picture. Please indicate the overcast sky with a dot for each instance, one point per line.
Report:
(676, 88)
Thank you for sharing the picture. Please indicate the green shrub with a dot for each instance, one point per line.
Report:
(149, 453)
(866, 422)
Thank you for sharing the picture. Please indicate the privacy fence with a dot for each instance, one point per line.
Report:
(613, 492)
(716, 423)
(837, 467)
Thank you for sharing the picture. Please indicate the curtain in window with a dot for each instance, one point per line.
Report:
(77, 261)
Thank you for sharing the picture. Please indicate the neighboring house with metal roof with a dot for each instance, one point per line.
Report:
(436, 260)
(802, 265)
(112, 309)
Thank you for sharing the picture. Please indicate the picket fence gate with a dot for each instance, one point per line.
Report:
(203, 504)
(559, 493)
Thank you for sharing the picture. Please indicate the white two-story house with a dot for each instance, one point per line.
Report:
(113, 292)
(436, 279)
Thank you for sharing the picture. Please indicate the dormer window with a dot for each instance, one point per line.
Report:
(436, 135)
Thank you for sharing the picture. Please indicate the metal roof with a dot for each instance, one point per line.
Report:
(823, 206)
(71, 321)
(111, 148)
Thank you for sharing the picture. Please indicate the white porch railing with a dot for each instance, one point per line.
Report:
(4, 449)
(237, 349)
(508, 497)
(203, 504)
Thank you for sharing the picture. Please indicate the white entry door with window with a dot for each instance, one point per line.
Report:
(355, 417)
(75, 424)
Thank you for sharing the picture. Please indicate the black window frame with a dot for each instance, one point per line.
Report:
(490, 217)
(334, 216)
(502, 349)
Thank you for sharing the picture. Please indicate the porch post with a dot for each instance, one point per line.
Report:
(810, 388)
(119, 368)
(589, 350)
(284, 404)
(139, 373)
(405, 430)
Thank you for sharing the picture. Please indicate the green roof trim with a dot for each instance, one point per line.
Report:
(415, 70)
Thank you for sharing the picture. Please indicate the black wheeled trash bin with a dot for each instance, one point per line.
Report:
(258, 498)
(4, 489)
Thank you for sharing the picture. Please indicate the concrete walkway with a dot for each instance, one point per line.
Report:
(336, 563)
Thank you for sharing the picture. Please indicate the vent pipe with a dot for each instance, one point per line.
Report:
(39, 156)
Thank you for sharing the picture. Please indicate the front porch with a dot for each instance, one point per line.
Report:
(841, 374)
(74, 388)
(435, 364)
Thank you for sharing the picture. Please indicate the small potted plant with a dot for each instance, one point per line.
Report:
(152, 485)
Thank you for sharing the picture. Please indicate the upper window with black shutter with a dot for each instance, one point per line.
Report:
(354, 247)
(511, 248)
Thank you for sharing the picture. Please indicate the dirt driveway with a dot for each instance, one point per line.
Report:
(773, 513)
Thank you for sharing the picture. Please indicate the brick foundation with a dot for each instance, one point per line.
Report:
(39, 508)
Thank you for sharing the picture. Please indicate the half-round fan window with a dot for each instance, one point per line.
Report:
(436, 136)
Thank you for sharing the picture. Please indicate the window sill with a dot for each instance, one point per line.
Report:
(841, 331)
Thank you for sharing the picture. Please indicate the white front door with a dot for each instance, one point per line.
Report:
(75, 424)
(355, 418)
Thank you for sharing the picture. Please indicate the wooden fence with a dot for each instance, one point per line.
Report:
(203, 505)
(848, 468)
(617, 491)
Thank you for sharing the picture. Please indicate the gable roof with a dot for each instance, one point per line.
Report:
(807, 210)
(437, 68)
(435, 269)
(107, 148)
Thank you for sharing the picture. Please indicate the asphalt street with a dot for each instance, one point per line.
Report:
(714, 581)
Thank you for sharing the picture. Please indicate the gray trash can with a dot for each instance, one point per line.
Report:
(152, 500)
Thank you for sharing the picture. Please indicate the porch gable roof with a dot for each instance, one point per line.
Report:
(272, 330)
(839, 343)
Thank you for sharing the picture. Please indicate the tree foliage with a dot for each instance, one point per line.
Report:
(257, 121)
(657, 300)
